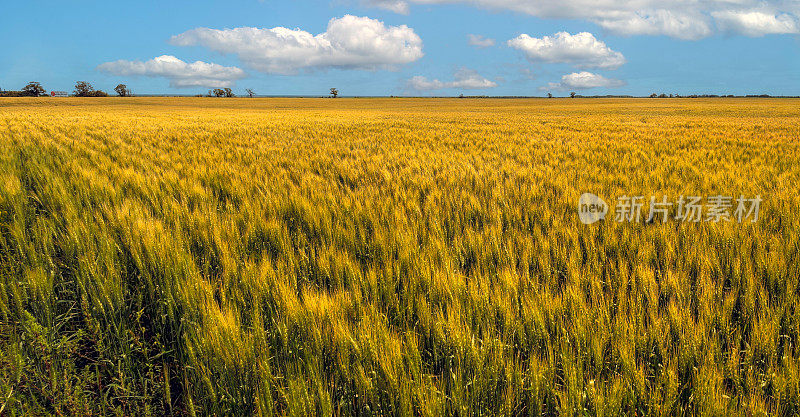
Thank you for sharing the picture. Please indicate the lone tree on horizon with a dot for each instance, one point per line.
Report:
(572, 94)
(334, 93)
(250, 92)
(83, 89)
(221, 92)
(33, 89)
(123, 90)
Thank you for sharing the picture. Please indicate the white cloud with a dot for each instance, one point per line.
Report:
(349, 42)
(756, 23)
(682, 19)
(466, 79)
(582, 81)
(479, 41)
(686, 26)
(582, 50)
(397, 6)
(180, 74)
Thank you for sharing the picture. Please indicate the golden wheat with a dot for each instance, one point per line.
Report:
(394, 257)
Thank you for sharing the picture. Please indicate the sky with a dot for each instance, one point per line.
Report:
(406, 47)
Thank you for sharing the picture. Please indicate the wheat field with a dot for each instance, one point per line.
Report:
(413, 257)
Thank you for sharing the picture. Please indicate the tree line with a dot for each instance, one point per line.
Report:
(85, 89)
(82, 89)
(32, 89)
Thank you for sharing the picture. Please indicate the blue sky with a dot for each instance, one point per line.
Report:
(412, 47)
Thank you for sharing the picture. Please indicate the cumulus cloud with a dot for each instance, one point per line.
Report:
(349, 42)
(756, 23)
(582, 81)
(582, 50)
(179, 73)
(479, 41)
(464, 78)
(682, 19)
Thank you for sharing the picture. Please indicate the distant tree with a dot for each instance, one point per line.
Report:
(334, 93)
(228, 92)
(250, 93)
(33, 89)
(549, 95)
(662, 95)
(122, 90)
(654, 95)
(99, 93)
(572, 94)
(217, 92)
(83, 89)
